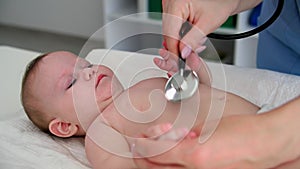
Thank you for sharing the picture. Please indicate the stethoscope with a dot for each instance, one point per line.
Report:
(184, 83)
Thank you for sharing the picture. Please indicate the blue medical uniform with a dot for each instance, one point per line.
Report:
(279, 45)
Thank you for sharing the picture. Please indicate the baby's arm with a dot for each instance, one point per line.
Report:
(106, 148)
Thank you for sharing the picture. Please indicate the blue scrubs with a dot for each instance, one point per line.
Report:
(279, 45)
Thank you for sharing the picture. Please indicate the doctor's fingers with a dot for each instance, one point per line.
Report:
(165, 152)
(157, 130)
(193, 41)
(175, 13)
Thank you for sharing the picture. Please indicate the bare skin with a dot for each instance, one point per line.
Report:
(82, 99)
(139, 100)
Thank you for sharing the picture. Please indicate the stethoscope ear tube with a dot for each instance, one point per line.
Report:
(253, 31)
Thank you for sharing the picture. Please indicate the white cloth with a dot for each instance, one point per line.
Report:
(22, 145)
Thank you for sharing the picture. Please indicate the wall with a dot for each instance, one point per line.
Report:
(71, 17)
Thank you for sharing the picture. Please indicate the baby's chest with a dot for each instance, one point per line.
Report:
(141, 101)
(145, 96)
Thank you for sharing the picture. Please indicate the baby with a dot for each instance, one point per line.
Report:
(67, 96)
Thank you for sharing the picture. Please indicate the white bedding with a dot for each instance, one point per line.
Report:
(23, 146)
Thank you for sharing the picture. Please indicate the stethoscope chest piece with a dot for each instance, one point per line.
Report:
(181, 85)
(184, 83)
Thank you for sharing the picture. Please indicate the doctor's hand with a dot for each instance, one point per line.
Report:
(242, 141)
(205, 16)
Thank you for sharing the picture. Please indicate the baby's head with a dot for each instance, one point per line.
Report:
(62, 93)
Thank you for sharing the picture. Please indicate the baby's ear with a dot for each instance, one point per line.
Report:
(61, 128)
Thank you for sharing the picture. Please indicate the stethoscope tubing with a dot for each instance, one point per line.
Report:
(253, 31)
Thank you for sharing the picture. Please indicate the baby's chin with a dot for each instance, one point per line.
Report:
(103, 101)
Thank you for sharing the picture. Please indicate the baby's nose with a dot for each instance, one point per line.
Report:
(94, 68)
(89, 72)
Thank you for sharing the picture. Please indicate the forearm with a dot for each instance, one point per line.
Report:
(283, 124)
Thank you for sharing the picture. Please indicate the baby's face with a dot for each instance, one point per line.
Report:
(74, 90)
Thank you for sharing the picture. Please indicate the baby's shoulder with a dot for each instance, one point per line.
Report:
(100, 128)
(99, 147)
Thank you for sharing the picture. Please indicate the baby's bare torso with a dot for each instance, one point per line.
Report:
(144, 105)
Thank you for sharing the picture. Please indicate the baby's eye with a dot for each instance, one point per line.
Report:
(90, 65)
(72, 83)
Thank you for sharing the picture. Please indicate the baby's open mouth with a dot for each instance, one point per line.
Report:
(99, 79)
